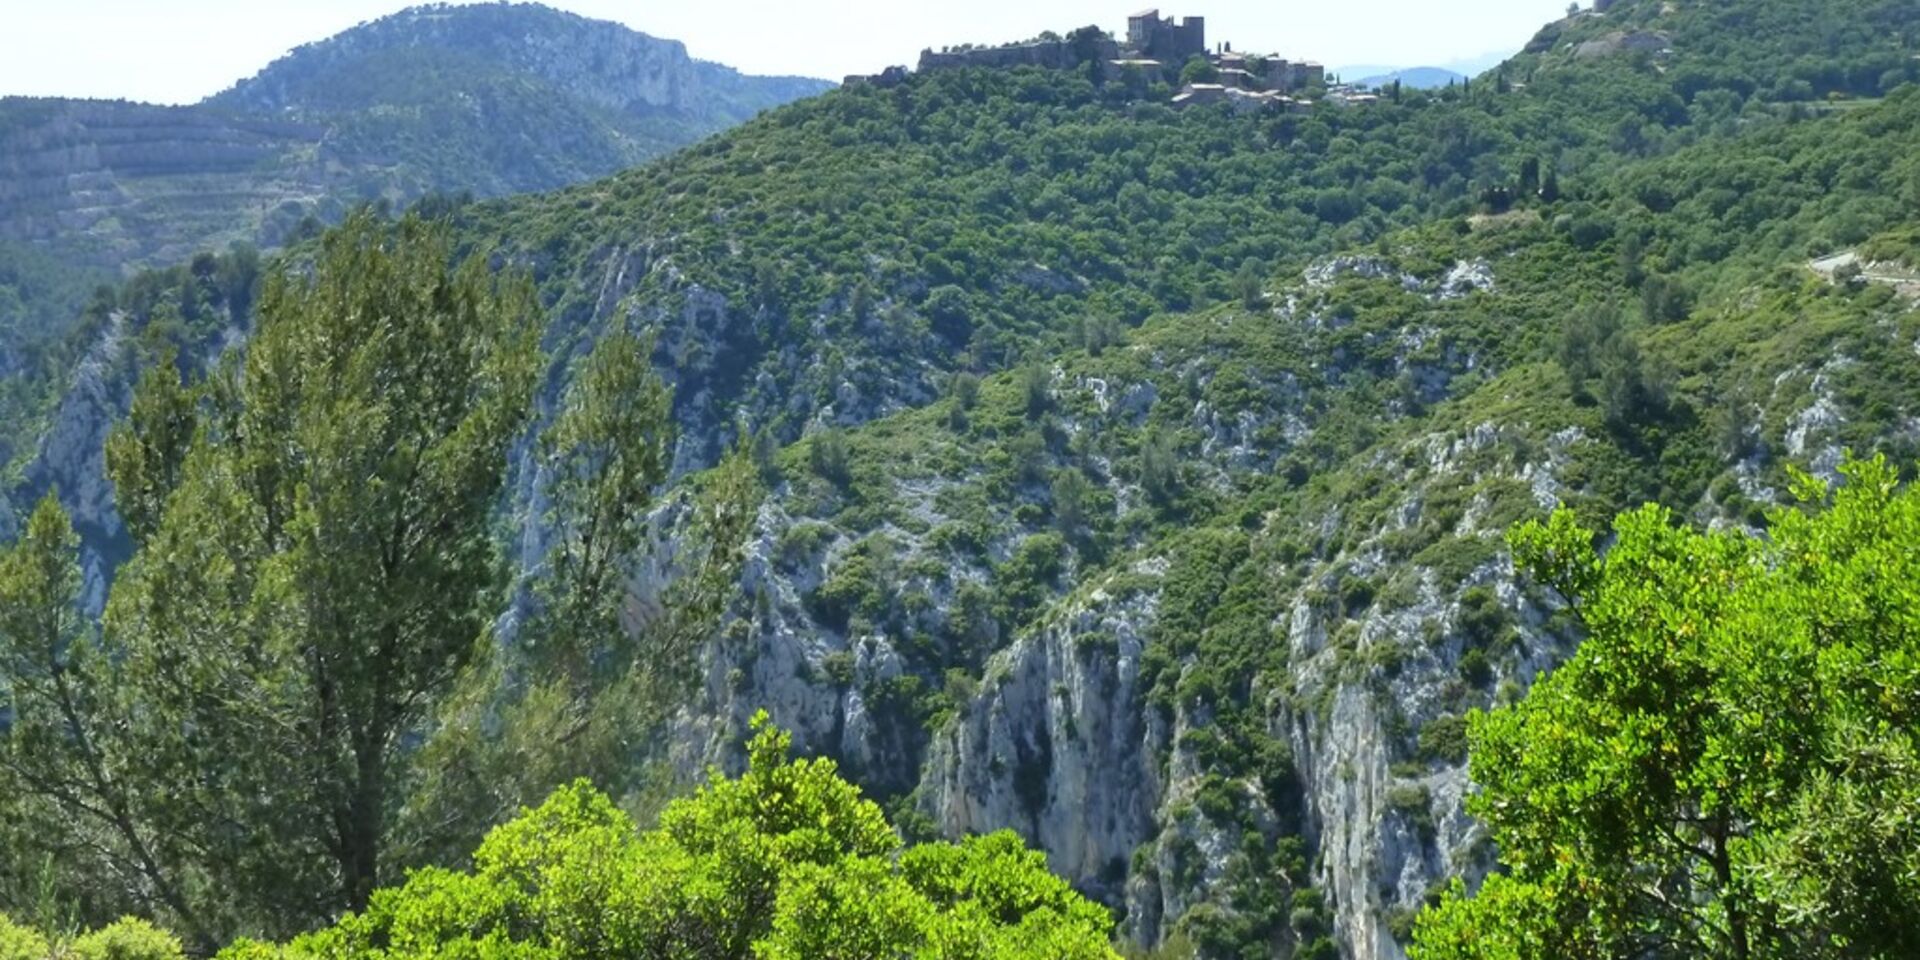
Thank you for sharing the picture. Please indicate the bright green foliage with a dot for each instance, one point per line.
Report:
(131, 938)
(786, 862)
(20, 943)
(1508, 920)
(1727, 768)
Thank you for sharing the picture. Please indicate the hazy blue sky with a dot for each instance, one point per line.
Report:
(175, 51)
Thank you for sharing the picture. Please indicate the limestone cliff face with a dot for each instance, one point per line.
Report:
(1062, 743)
(72, 460)
(1065, 736)
(1064, 730)
(1059, 746)
(1072, 728)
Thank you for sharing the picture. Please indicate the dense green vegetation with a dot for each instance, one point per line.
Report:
(1727, 766)
(786, 862)
(38, 295)
(127, 939)
(1781, 52)
(185, 314)
(37, 291)
(484, 100)
(971, 219)
(315, 578)
(1073, 401)
(460, 99)
(314, 571)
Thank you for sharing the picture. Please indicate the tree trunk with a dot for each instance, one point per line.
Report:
(1737, 936)
(365, 825)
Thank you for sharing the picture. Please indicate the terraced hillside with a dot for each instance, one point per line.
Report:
(114, 183)
(486, 100)
(481, 101)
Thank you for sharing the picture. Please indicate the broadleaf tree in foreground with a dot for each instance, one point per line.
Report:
(1730, 765)
(786, 862)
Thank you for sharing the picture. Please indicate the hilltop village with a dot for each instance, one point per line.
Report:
(1159, 50)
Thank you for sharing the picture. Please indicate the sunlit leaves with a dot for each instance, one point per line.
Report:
(1726, 767)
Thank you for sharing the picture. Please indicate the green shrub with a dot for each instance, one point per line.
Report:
(1484, 623)
(838, 666)
(21, 943)
(1444, 740)
(130, 938)
(1027, 578)
(1475, 668)
(1036, 390)
(965, 539)
(1356, 595)
(1218, 800)
(801, 541)
(860, 584)
(829, 459)
(787, 862)
(1415, 803)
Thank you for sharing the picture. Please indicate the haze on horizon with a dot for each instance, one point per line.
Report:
(184, 50)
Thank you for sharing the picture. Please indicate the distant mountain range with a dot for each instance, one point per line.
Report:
(488, 100)
(1418, 78)
(1422, 77)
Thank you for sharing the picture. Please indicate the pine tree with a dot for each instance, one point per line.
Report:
(1249, 284)
(583, 683)
(315, 572)
(77, 790)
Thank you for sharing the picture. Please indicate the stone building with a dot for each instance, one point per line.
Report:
(1063, 53)
(1289, 75)
(1164, 40)
(1156, 46)
(1239, 79)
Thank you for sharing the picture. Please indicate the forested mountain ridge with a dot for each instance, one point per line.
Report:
(505, 98)
(1146, 475)
(1784, 52)
(1000, 206)
(594, 60)
(480, 100)
(1252, 557)
(487, 100)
